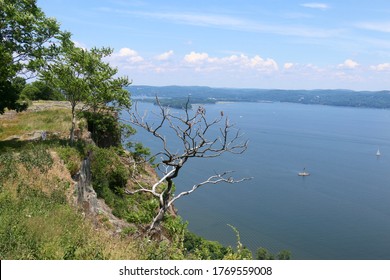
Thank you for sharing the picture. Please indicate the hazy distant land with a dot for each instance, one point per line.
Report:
(176, 96)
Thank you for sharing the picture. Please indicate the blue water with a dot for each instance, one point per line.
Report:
(340, 211)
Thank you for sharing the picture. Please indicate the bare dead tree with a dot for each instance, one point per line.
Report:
(193, 130)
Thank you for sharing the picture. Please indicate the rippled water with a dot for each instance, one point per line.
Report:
(340, 211)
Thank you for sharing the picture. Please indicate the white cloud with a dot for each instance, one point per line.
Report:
(230, 63)
(381, 67)
(254, 70)
(126, 55)
(302, 70)
(321, 6)
(194, 57)
(165, 56)
(128, 61)
(258, 62)
(375, 26)
(288, 65)
(130, 54)
(348, 64)
(127, 52)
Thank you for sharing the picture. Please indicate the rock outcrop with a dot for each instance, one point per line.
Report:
(86, 198)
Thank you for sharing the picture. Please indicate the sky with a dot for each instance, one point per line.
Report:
(284, 44)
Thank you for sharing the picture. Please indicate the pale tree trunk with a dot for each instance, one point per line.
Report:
(72, 129)
(164, 200)
(192, 130)
(157, 220)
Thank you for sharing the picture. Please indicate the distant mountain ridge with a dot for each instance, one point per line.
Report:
(203, 94)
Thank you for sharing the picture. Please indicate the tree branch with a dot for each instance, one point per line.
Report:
(215, 179)
(197, 139)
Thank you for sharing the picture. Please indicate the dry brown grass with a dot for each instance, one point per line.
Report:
(40, 219)
(21, 124)
(49, 226)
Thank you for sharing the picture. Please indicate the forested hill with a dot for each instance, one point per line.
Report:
(197, 94)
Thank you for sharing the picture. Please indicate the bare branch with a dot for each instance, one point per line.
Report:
(198, 138)
(215, 179)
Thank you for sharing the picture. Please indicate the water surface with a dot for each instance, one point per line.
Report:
(340, 211)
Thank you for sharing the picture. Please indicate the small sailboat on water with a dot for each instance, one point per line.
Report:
(304, 173)
(378, 153)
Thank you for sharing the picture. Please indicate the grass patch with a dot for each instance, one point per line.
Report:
(37, 221)
(71, 157)
(53, 120)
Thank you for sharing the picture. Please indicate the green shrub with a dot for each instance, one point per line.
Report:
(142, 210)
(241, 252)
(203, 249)
(139, 151)
(108, 171)
(264, 254)
(109, 179)
(128, 231)
(71, 157)
(284, 255)
(40, 90)
(105, 129)
(22, 105)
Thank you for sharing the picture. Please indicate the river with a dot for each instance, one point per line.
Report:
(340, 211)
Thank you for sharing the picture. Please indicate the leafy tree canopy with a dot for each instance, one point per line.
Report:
(39, 90)
(28, 39)
(83, 77)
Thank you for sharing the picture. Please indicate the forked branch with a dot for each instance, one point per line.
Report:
(198, 137)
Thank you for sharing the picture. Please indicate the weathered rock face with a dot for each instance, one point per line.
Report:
(31, 136)
(86, 195)
(87, 198)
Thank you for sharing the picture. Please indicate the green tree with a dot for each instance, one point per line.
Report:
(30, 92)
(284, 255)
(28, 39)
(10, 92)
(39, 90)
(264, 254)
(84, 78)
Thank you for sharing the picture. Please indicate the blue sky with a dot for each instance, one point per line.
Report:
(285, 44)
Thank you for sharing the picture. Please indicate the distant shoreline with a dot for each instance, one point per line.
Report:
(176, 95)
(225, 102)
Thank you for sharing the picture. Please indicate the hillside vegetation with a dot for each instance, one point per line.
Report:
(68, 188)
(42, 217)
(176, 96)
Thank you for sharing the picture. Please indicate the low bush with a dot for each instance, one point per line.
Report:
(71, 157)
(37, 222)
(105, 129)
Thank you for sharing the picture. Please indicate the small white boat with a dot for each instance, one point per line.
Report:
(303, 173)
(378, 153)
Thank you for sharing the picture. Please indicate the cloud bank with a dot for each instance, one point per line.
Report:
(242, 70)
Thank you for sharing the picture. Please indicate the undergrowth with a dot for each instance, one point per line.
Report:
(38, 220)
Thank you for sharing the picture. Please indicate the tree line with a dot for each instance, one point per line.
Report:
(34, 47)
